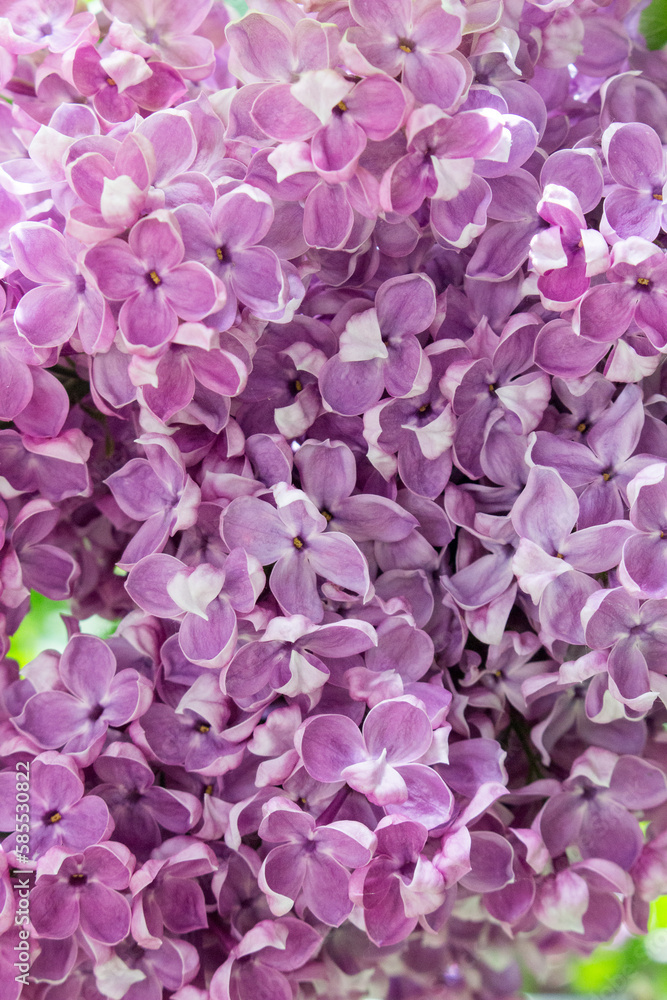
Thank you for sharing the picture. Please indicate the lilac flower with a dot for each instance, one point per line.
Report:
(43, 567)
(227, 245)
(413, 41)
(568, 254)
(60, 814)
(440, 161)
(634, 635)
(501, 378)
(156, 287)
(17, 360)
(157, 491)
(505, 245)
(28, 27)
(551, 562)
(636, 285)
(76, 719)
(605, 464)
(56, 467)
(67, 295)
(164, 30)
(594, 810)
(328, 474)
(379, 349)
(400, 883)
(165, 893)
(383, 761)
(196, 738)
(122, 82)
(171, 966)
(291, 658)
(643, 569)
(138, 806)
(421, 431)
(636, 161)
(83, 890)
(311, 862)
(257, 963)
(149, 170)
(292, 536)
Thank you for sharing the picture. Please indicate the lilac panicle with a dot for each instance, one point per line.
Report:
(332, 346)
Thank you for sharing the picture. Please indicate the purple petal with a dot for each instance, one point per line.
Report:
(330, 743)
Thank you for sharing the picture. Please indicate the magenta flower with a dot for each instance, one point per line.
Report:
(378, 348)
(636, 161)
(76, 719)
(414, 40)
(383, 761)
(83, 890)
(123, 82)
(137, 805)
(166, 30)
(635, 290)
(594, 809)
(292, 536)
(156, 288)
(226, 243)
(71, 300)
(643, 569)
(60, 814)
(312, 862)
(400, 884)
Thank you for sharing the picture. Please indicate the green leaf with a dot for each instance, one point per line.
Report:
(653, 24)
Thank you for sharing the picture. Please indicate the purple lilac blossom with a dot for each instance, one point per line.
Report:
(332, 344)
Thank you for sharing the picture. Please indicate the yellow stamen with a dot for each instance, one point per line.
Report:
(658, 197)
(55, 817)
(643, 281)
(111, 81)
(298, 544)
(203, 727)
(219, 253)
(327, 515)
(423, 409)
(155, 277)
(342, 106)
(208, 790)
(405, 48)
(606, 476)
(559, 555)
(298, 386)
(581, 427)
(492, 388)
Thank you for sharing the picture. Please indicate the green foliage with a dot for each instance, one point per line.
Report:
(237, 8)
(653, 24)
(43, 628)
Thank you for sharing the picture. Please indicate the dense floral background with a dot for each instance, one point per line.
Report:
(332, 405)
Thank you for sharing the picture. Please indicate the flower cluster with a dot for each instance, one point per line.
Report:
(331, 367)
